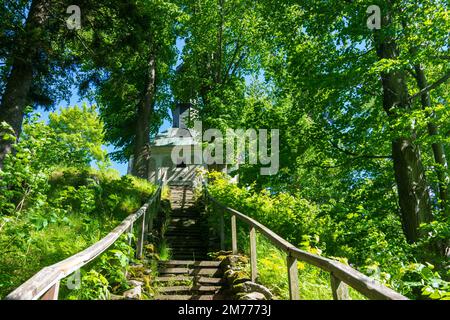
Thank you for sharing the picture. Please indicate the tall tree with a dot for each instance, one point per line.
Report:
(328, 58)
(409, 172)
(220, 50)
(34, 73)
(132, 63)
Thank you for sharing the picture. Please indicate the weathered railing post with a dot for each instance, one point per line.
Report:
(293, 278)
(151, 212)
(233, 234)
(339, 288)
(141, 236)
(205, 197)
(253, 256)
(52, 293)
(159, 198)
(222, 229)
(130, 230)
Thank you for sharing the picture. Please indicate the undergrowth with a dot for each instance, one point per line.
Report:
(380, 252)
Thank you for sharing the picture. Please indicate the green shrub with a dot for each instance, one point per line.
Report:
(53, 204)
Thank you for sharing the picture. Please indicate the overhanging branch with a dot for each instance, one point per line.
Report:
(430, 87)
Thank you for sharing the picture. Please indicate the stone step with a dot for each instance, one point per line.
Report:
(189, 253)
(189, 249)
(195, 227)
(190, 237)
(176, 221)
(186, 237)
(183, 207)
(197, 280)
(180, 247)
(182, 234)
(191, 244)
(190, 256)
(190, 263)
(192, 227)
(188, 200)
(189, 289)
(187, 215)
(182, 237)
(188, 240)
(192, 253)
(190, 297)
(192, 271)
(183, 221)
(184, 218)
(183, 231)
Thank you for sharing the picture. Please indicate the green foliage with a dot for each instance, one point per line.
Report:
(50, 212)
(91, 191)
(309, 68)
(295, 218)
(69, 219)
(420, 279)
(367, 242)
(105, 275)
(94, 287)
(81, 133)
(43, 46)
(44, 147)
(165, 252)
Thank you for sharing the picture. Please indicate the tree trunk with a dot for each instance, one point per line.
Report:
(441, 167)
(145, 109)
(412, 187)
(408, 169)
(18, 84)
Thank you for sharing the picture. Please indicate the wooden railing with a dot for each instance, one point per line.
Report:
(45, 283)
(341, 275)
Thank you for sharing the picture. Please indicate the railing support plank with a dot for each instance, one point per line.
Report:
(222, 230)
(52, 293)
(151, 214)
(233, 234)
(253, 255)
(141, 237)
(339, 288)
(130, 230)
(293, 278)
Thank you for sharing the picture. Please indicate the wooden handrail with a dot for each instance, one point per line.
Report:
(45, 283)
(341, 274)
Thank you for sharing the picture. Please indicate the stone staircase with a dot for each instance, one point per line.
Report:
(190, 275)
(190, 280)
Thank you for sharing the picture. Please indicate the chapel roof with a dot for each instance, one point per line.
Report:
(175, 137)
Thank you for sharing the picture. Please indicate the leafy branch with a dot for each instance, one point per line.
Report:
(430, 87)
